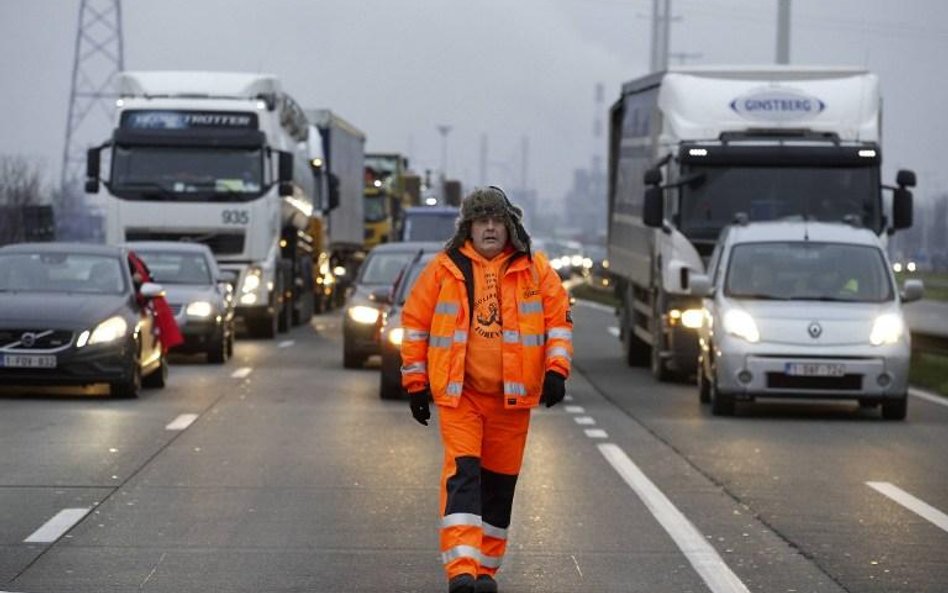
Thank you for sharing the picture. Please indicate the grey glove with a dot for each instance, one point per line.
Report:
(419, 405)
(554, 388)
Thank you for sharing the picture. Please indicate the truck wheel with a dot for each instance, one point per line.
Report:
(659, 369)
(895, 409)
(636, 351)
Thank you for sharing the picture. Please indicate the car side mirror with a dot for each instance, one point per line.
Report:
(150, 290)
(382, 296)
(700, 285)
(912, 290)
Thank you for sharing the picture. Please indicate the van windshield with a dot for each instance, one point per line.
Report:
(805, 270)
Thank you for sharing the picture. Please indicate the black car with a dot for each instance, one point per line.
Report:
(390, 385)
(71, 315)
(198, 293)
(364, 308)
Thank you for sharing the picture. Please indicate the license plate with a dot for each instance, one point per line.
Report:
(815, 369)
(28, 361)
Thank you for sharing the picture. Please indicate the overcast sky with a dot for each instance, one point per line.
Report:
(503, 68)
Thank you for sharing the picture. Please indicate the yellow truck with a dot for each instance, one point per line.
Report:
(384, 195)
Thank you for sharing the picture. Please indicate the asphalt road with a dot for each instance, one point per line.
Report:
(281, 471)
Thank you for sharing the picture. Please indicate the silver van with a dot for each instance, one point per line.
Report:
(801, 309)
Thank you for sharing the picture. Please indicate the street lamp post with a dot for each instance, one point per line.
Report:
(444, 129)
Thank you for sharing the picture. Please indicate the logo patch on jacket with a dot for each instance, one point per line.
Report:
(569, 316)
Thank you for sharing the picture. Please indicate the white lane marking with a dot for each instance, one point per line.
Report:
(286, 343)
(54, 529)
(597, 306)
(916, 505)
(703, 557)
(575, 410)
(241, 372)
(181, 422)
(596, 433)
(568, 398)
(584, 420)
(931, 397)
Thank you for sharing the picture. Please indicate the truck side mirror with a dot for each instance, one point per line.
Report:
(905, 178)
(333, 191)
(652, 210)
(652, 176)
(901, 208)
(700, 285)
(92, 170)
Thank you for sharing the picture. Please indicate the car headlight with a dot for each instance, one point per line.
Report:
(363, 314)
(887, 329)
(201, 309)
(111, 329)
(396, 336)
(741, 324)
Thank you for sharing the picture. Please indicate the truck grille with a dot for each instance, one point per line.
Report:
(220, 243)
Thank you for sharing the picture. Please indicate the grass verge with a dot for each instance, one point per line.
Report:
(930, 371)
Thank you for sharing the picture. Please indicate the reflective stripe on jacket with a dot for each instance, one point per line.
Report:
(537, 329)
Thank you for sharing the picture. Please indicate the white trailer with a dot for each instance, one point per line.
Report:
(692, 148)
(221, 159)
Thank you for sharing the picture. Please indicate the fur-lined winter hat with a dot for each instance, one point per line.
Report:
(490, 201)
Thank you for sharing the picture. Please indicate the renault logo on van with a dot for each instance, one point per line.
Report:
(815, 330)
(777, 105)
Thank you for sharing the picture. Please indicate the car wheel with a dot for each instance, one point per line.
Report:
(230, 342)
(704, 386)
(722, 404)
(159, 377)
(389, 389)
(352, 359)
(217, 351)
(895, 409)
(128, 389)
(263, 327)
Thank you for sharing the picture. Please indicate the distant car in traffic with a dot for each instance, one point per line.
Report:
(373, 283)
(802, 310)
(390, 384)
(70, 315)
(199, 293)
(428, 223)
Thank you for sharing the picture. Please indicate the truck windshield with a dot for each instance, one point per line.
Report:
(430, 227)
(149, 172)
(767, 193)
(374, 208)
(808, 271)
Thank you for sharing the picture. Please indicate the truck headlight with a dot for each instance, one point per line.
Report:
(252, 280)
(741, 324)
(111, 329)
(887, 329)
(363, 314)
(692, 318)
(201, 309)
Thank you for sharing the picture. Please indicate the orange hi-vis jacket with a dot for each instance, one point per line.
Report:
(536, 323)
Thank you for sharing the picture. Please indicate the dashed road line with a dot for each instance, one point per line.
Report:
(286, 343)
(241, 373)
(59, 524)
(575, 409)
(596, 433)
(584, 420)
(703, 557)
(916, 505)
(181, 422)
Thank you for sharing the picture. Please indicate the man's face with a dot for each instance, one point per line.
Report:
(489, 235)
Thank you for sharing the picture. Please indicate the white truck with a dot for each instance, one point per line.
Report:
(692, 148)
(339, 147)
(221, 159)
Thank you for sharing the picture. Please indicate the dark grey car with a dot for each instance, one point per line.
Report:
(198, 293)
(71, 315)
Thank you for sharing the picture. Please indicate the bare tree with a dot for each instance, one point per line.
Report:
(20, 188)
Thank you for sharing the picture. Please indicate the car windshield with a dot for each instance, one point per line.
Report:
(382, 267)
(807, 270)
(177, 268)
(61, 272)
(411, 275)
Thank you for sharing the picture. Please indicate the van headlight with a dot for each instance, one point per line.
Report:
(113, 328)
(363, 314)
(887, 329)
(741, 324)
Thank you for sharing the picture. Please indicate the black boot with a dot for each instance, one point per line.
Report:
(485, 584)
(463, 583)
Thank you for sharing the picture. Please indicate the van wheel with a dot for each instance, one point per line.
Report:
(895, 409)
(722, 404)
(704, 386)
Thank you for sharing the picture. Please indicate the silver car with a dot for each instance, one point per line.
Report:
(802, 310)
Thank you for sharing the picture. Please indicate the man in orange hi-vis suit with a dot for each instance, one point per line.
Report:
(488, 335)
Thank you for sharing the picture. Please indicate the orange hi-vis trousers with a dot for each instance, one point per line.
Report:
(483, 450)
